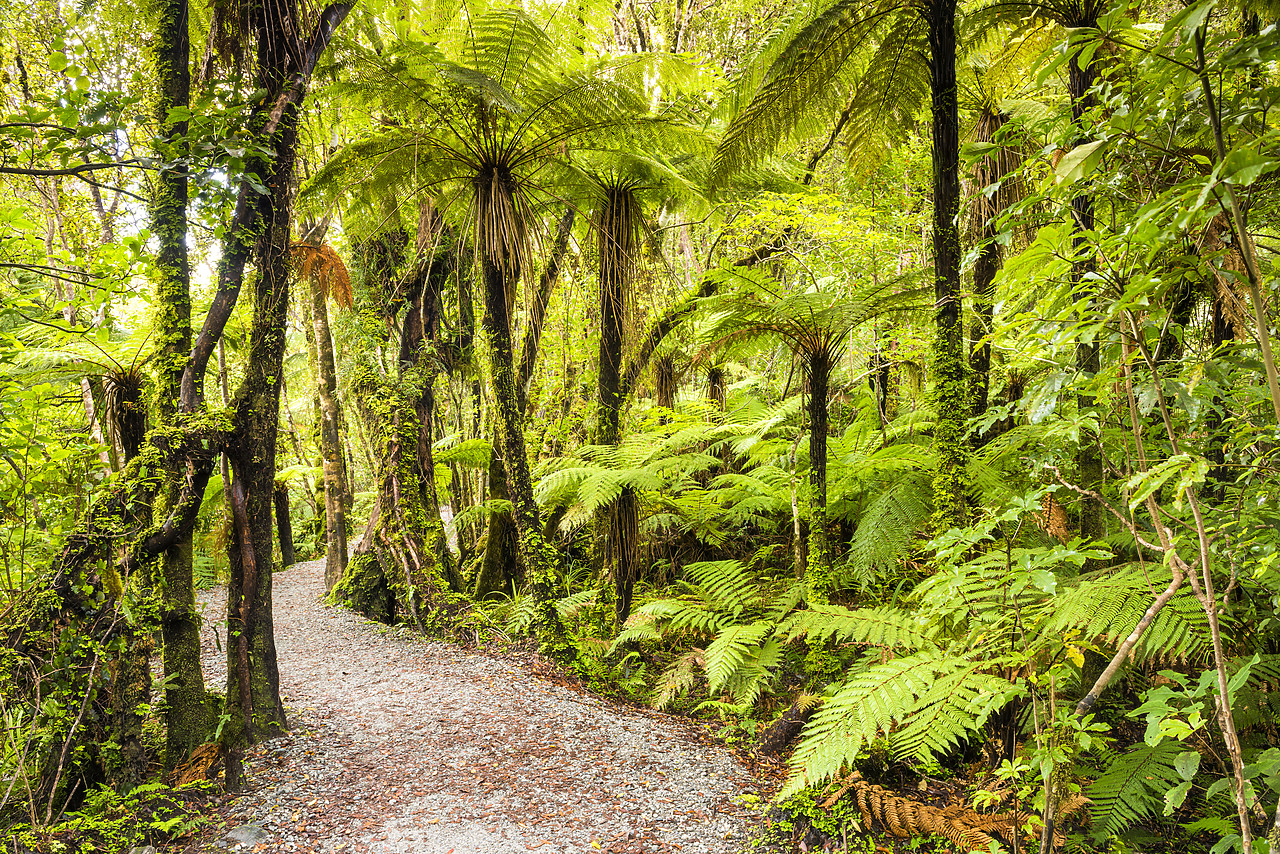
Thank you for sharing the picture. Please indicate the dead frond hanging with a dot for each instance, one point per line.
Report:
(320, 264)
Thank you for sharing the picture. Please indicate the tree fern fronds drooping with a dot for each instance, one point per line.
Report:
(891, 628)
(1133, 786)
(739, 659)
(900, 692)
(799, 79)
(1106, 606)
(886, 528)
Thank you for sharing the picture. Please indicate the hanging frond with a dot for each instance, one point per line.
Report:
(1132, 787)
(800, 78)
(887, 528)
(323, 267)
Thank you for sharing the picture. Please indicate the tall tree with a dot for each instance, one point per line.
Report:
(188, 715)
(811, 73)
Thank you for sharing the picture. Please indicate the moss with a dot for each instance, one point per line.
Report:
(363, 588)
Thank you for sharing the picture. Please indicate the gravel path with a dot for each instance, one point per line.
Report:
(402, 745)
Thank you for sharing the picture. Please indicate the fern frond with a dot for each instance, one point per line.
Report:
(1133, 786)
(799, 79)
(891, 628)
(888, 526)
(902, 691)
(1107, 605)
(469, 453)
(732, 649)
(724, 583)
(678, 679)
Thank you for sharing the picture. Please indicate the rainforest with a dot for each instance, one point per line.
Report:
(863, 412)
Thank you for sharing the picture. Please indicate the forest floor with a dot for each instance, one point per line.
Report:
(398, 744)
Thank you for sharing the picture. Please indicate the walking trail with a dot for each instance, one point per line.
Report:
(398, 744)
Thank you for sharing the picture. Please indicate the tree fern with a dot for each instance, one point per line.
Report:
(892, 628)
(937, 698)
(1108, 604)
(1132, 787)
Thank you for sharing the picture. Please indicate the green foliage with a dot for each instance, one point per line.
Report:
(1132, 787)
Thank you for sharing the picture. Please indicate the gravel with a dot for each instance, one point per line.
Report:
(398, 744)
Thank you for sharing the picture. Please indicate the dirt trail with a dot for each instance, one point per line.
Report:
(403, 745)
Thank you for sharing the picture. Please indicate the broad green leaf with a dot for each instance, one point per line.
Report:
(1080, 161)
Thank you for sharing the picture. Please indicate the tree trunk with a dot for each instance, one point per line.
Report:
(396, 569)
(284, 525)
(715, 388)
(330, 441)
(537, 555)
(818, 569)
(1088, 457)
(950, 502)
(188, 716)
(990, 170)
(664, 382)
(500, 566)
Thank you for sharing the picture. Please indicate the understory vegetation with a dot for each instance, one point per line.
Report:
(888, 384)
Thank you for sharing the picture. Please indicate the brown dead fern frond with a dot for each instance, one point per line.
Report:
(323, 266)
(904, 817)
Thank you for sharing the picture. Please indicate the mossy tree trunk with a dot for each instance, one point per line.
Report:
(537, 555)
(285, 62)
(188, 716)
(818, 580)
(330, 440)
(397, 569)
(501, 567)
(401, 568)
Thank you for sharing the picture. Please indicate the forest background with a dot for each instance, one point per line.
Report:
(890, 378)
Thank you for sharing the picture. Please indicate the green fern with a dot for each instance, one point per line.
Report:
(1132, 787)
(891, 628)
(737, 649)
(925, 703)
(1107, 605)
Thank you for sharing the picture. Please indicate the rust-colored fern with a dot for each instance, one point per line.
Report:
(903, 817)
(323, 266)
